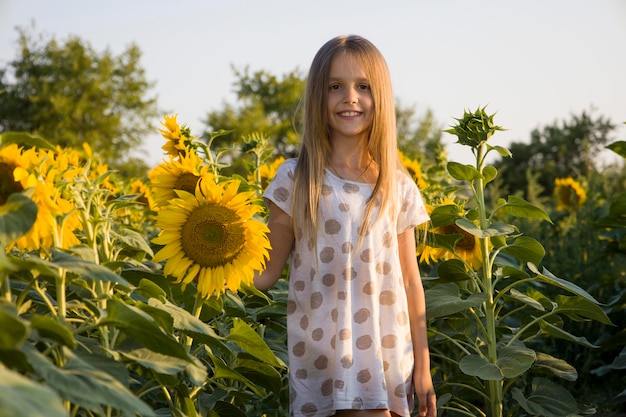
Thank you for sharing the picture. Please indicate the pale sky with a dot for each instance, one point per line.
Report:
(534, 62)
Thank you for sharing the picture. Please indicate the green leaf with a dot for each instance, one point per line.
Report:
(618, 147)
(250, 341)
(51, 329)
(17, 216)
(142, 328)
(444, 215)
(190, 325)
(509, 271)
(444, 300)
(448, 242)
(558, 367)
(453, 270)
(260, 373)
(547, 276)
(554, 331)
(513, 361)
(23, 397)
(529, 301)
(133, 240)
(26, 140)
(525, 249)
(579, 306)
(494, 229)
(617, 214)
(14, 329)
(519, 207)
(159, 363)
(476, 365)
(504, 152)
(546, 399)
(463, 172)
(85, 385)
(86, 269)
(222, 371)
(150, 289)
(489, 172)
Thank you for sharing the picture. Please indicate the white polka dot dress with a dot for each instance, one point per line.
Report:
(348, 325)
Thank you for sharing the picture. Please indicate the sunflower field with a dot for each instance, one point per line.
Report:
(123, 297)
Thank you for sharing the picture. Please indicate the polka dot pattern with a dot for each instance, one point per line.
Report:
(349, 331)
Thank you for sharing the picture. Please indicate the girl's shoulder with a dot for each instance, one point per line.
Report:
(404, 179)
(288, 166)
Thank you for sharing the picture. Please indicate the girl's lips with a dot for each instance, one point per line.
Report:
(349, 114)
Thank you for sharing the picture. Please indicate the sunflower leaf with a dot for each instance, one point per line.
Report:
(86, 269)
(25, 139)
(463, 172)
(250, 341)
(96, 385)
(618, 147)
(494, 229)
(17, 216)
(445, 300)
(452, 270)
(14, 329)
(140, 326)
(556, 366)
(546, 399)
(547, 276)
(23, 397)
(525, 249)
(519, 207)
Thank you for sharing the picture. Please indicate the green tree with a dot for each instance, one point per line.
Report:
(566, 149)
(69, 93)
(265, 104)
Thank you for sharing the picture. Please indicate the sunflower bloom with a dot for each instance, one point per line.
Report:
(56, 219)
(414, 168)
(177, 137)
(569, 194)
(176, 174)
(212, 237)
(467, 248)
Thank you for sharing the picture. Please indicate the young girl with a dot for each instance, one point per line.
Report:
(345, 212)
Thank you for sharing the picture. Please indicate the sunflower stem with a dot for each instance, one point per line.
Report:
(5, 286)
(494, 388)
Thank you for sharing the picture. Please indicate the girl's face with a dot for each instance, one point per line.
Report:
(350, 105)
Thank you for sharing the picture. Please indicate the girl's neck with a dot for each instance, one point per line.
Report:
(354, 164)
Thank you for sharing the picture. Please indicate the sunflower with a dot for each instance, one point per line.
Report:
(569, 194)
(144, 194)
(56, 219)
(414, 168)
(212, 237)
(177, 137)
(467, 248)
(176, 174)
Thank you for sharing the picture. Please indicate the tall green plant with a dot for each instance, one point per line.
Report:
(487, 323)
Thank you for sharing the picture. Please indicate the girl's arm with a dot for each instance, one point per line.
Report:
(417, 318)
(281, 239)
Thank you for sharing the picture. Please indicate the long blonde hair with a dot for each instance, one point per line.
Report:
(316, 146)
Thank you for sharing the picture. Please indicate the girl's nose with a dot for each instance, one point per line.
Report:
(351, 96)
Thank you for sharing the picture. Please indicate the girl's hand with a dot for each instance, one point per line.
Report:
(426, 397)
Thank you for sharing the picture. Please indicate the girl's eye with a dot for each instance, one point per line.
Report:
(334, 87)
(364, 86)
